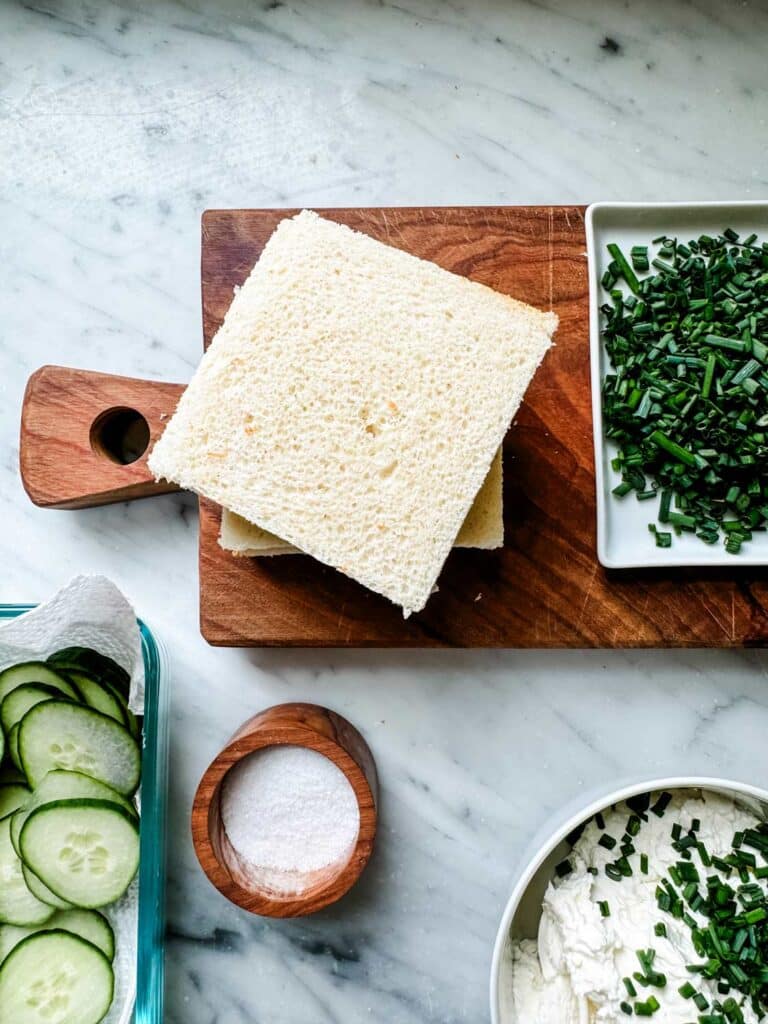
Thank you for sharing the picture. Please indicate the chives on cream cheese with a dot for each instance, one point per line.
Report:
(661, 911)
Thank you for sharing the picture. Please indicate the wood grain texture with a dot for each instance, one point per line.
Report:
(307, 725)
(545, 588)
(60, 465)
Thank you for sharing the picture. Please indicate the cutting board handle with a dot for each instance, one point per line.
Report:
(85, 437)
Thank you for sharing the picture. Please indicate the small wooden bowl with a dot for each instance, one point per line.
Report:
(303, 725)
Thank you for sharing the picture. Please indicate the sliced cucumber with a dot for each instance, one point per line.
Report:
(85, 851)
(11, 935)
(96, 695)
(17, 819)
(17, 904)
(85, 659)
(41, 891)
(133, 725)
(61, 785)
(88, 924)
(58, 734)
(19, 701)
(55, 977)
(13, 795)
(13, 747)
(34, 672)
(130, 719)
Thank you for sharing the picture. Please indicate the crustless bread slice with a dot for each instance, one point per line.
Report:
(353, 401)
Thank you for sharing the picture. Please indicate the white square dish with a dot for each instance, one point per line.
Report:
(623, 538)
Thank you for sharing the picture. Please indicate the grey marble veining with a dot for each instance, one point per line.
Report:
(119, 124)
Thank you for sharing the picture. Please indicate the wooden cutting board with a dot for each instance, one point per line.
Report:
(545, 588)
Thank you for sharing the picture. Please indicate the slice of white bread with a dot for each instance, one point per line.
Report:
(483, 527)
(352, 403)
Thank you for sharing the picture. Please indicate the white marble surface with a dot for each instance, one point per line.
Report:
(119, 124)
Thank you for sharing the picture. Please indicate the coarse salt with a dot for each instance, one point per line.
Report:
(289, 812)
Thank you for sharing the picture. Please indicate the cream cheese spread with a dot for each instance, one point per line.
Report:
(593, 926)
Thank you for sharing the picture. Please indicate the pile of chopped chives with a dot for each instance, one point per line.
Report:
(686, 399)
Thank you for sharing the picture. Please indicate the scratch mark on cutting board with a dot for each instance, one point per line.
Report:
(590, 585)
(341, 616)
(716, 620)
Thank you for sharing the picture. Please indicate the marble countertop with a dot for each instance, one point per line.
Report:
(119, 124)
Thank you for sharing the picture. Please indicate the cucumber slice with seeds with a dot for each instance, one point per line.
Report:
(88, 924)
(57, 734)
(60, 785)
(85, 851)
(55, 977)
(98, 696)
(13, 795)
(17, 904)
(22, 699)
(34, 672)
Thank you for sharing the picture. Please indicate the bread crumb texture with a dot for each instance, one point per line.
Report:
(483, 527)
(352, 402)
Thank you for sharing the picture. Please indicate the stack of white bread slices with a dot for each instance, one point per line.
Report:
(352, 407)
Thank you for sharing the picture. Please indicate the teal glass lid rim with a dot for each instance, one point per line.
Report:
(151, 927)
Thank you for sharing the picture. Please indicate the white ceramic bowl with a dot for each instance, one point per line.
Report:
(523, 910)
(623, 538)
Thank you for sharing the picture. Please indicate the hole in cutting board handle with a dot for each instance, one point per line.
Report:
(120, 435)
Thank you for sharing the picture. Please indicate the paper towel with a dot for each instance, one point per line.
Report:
(90, 611)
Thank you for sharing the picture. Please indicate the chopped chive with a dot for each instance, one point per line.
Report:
(605, 909)
(674, 449)
(663, 537)
(624, 269)
(648, 1008)
(735, 344)
(661, 804)
(563, 868)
